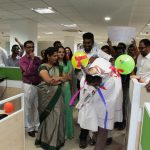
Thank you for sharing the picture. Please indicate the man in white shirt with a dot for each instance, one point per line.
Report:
(3, 57)
(143, 62)
(91, 49)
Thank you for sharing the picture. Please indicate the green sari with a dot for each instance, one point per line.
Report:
(51, 134)
(69, 128)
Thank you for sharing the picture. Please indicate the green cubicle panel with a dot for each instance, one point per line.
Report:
(145, 134)
(11, 73)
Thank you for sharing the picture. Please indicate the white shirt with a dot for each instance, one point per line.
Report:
(96, 51)
(143, 67)
(3, 57)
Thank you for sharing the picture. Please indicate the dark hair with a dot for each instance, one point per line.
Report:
(93, 79)
(71, 54)
(57, 43)
(105, 46)
(146, 42)
(49, 51)
(122, 44)
(88, 35)
(15, 47)
(64, 59)
(28, 42)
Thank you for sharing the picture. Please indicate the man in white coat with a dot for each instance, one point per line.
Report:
(92, 51)
(98, 113)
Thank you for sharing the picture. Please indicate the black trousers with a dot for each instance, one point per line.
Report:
(83, 134)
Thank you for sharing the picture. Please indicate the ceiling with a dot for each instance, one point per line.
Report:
(87, 14)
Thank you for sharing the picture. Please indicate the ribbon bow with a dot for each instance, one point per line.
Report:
(79, 58)
(116, 71)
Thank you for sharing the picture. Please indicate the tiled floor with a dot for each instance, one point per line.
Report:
(117, 144)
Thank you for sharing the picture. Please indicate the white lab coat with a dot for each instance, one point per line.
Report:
(92, 114)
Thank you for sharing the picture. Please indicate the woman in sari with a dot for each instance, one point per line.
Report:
(51, 133)
(67, 71)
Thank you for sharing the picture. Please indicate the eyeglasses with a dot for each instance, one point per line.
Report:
(140, 48)
(29, 46)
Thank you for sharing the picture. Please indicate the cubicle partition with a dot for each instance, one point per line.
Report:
(138, 96)
(12, 134)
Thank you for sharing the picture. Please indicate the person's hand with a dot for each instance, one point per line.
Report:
(91, 60)
(148, 87)
(138, 78)
(16, 39)
(31, 55)
(55, 80)
(133, 42)
(112, 60)
(109, 42)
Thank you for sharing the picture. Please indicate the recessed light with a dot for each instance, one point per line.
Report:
(48, 10)
(69, 25)
(48, 33)
(148, 24)
(107, 18)
(145, 34)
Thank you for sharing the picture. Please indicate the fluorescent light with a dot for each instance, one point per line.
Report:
(146, 33)
(81, 32)
(107, 18)
(48, 33)
(148, 24)
(69, 25)
(48, 10)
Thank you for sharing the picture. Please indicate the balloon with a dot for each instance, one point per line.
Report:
(125, 63)
(78, 59)
(8, 107)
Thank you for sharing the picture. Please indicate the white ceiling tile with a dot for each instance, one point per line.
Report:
(10, 6)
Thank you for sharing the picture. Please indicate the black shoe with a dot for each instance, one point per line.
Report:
(121, 126)
(37, 143)
(32, 133)
(92, 142)
(109, 141)
(35, 131)
(83, 143)
(116, 125)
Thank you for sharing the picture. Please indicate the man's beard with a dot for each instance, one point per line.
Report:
(87, 49)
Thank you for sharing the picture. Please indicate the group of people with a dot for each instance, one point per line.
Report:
(49, 84)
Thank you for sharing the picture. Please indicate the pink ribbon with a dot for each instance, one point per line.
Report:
(75, 95)
(78, 59)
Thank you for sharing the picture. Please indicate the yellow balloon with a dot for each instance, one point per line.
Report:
(78, 59)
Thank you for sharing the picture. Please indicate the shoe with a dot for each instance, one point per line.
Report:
(121, 126)
(92, 142)
(83, 144)
(32, 134)
(116, 125)
(35, 131)
(109, 141)
(37, 143)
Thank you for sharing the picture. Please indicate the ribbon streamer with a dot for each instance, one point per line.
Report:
(116, 71)
(75, 95)
(78, 59)
(104, 101)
